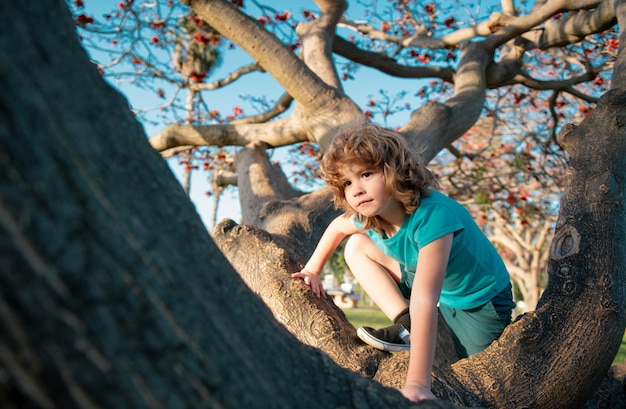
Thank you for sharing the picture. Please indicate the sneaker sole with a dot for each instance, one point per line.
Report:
(378, 344)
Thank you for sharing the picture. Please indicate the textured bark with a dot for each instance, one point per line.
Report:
(112, 293)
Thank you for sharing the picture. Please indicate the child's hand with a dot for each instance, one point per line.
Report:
(416, 392)
(312, 280)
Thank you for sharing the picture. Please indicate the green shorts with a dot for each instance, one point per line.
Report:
(474, 329)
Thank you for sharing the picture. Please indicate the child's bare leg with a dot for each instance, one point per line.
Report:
(377, 273)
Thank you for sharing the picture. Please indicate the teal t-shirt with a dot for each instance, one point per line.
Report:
(475, 272)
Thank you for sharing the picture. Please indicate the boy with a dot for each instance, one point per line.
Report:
(411, 249)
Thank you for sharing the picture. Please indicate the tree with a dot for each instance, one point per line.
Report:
(106, 300)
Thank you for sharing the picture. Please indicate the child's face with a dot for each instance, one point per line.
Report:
(366, 192)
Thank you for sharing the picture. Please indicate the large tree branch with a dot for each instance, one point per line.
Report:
(537, 16)
(317, 39)
(435, 126)
(574, 27)
(273, 56)
(278, 133)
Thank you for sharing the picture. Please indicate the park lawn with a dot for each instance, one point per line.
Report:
(373, 317)
(367, 317)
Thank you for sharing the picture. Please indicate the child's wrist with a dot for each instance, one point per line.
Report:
(310, 271)
(414, 384)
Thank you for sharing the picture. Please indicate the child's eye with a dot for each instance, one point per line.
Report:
(367, 174)
(347, 183)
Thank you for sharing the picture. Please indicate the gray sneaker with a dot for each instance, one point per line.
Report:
(394, 338)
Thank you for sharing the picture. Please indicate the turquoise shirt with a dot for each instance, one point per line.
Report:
(475, 272)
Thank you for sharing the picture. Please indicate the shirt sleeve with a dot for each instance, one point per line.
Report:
(435, 222)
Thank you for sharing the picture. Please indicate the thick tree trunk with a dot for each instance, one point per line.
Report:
(112, 293)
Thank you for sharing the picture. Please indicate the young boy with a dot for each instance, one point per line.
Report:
(411, 249)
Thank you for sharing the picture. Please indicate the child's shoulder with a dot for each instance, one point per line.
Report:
(436, 197)
(438, 201)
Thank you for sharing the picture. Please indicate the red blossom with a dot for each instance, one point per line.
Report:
(154, 40)
(79, 3)
(308, 15)
(584, 109)
(430, 8)
(424, 59)
(264, 19)
(197, 76)
(368, 114)
(511, 198)
(135, 61)
(201, 38)
(83, 20)
(371, 103)
(612, 44)
(237, 3)
(160, 93)
(449, 22)
(282, 17)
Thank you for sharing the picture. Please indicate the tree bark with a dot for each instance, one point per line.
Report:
(112, 293)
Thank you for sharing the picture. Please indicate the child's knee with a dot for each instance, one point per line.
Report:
(355, 246)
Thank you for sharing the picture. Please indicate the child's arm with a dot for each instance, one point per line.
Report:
(429, 274)
(336, 231)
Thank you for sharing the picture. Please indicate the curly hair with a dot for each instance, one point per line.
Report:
(372, 146)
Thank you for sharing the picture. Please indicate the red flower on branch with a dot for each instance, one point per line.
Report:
(282, 17)
(197, 76)
(83, 20)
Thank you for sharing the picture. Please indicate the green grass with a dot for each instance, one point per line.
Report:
(369, 317)
(373, 317)
(621, 353)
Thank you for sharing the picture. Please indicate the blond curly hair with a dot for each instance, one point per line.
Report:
(374, 147)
